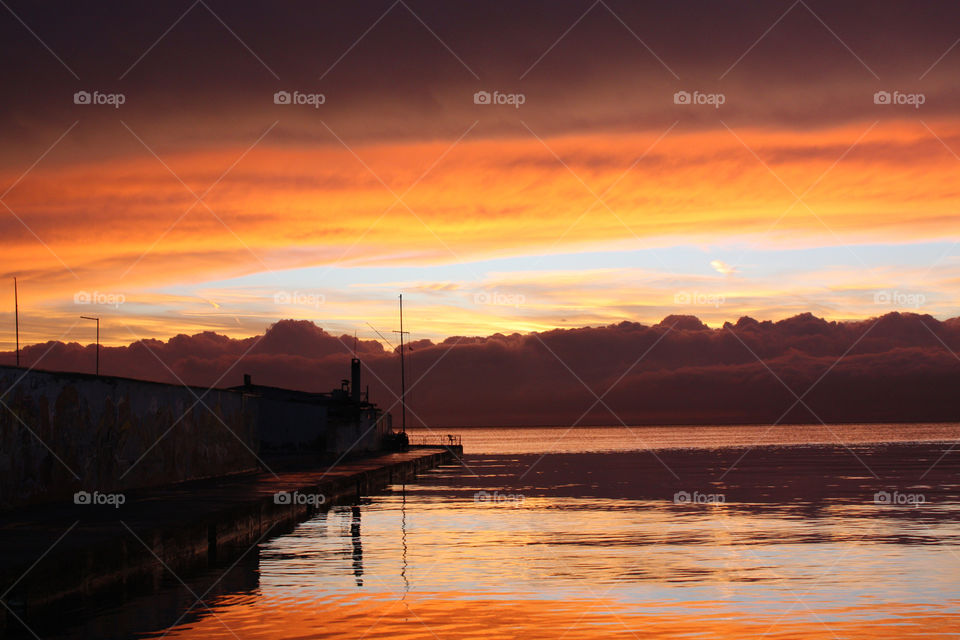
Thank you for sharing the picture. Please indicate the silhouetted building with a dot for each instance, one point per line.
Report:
(334, 422)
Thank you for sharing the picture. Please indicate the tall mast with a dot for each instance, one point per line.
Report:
(403, 373)
(16, 318)
(403, 376)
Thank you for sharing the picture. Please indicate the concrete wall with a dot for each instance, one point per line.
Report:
(363, 437)
(284, 425)
(99, 427)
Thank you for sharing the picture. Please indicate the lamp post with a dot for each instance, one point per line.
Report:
(98, 339)
(16, 318)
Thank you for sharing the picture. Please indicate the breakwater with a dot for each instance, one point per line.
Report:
(59, 557)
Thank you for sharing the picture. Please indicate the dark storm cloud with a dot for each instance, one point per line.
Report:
(894, 368)
(205, 73)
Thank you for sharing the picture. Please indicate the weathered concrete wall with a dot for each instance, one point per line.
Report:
(65, 432)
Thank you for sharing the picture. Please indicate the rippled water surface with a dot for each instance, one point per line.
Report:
(846, 532)
(608, 439)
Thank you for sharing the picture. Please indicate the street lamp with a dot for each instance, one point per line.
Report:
(98, 339)
(16, 318)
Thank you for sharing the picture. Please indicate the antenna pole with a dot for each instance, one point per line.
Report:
(16, 318)
(403, 372)
(403, 376)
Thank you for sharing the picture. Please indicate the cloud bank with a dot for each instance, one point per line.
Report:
(898, 367)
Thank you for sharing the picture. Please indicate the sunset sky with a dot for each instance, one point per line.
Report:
(200, 204)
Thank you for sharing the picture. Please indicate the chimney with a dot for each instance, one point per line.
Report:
(355, 380)
(246, 380)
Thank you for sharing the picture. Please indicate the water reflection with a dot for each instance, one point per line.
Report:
(173, 605)
(600, 546)
(403, 537)
(357, 545)
(462, 615)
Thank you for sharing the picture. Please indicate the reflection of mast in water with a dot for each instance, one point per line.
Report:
(403, 538)
(357, 546)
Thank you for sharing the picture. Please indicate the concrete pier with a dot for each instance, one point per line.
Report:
(58, 557)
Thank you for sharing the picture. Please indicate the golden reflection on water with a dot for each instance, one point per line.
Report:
(451, 615)
(599, 546)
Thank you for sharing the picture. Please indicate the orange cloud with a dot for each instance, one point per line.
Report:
(129, 223)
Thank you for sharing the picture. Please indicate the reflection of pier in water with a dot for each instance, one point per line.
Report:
(357, 545)
(403, 538)
(174, 603)
(357, 541)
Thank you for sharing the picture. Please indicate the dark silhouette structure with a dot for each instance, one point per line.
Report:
(336, 421)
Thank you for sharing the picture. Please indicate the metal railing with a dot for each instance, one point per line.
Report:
(437, 440)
